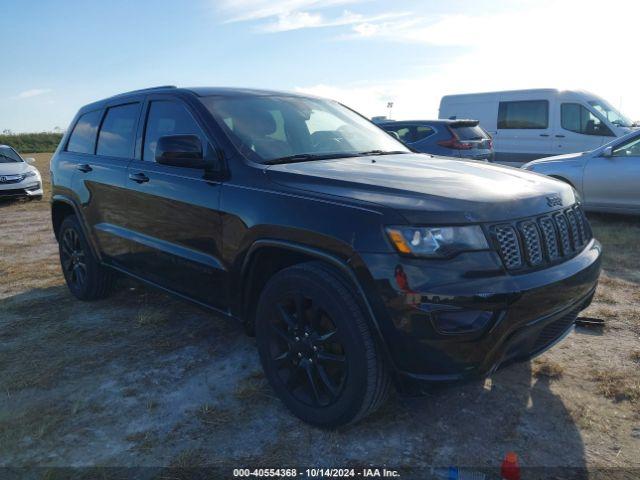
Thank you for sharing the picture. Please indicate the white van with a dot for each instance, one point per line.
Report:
(531, 124)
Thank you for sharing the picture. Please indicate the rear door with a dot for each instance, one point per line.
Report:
(100, 174)
(614, 182)
(173, 221)
(524, 130)
(579, 129)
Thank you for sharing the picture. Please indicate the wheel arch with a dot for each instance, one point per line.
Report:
(252, 280)
(61, 207)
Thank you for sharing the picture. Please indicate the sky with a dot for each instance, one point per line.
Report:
(59, 55)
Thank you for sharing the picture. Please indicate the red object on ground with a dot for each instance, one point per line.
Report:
(510, 470)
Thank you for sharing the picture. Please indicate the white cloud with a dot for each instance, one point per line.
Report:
(34, 92)
(243, 10)
(570, 44)
(298, 20)
(285, 15)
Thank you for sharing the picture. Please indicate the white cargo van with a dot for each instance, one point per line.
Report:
(530, 124)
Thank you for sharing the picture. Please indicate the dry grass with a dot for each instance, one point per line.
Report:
(587, 418)
(619, 235)
(143, 441)
(215, 417)
(543, 367)
(618, 385)
(253, 388)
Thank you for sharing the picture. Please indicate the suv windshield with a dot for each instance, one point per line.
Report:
(7, 155)
(270, 129)
(610, 113)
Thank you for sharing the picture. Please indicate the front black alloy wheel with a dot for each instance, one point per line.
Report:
(306, 350)
(316, 346)
(86, 278)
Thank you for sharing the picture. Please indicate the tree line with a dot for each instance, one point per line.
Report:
(32, 142)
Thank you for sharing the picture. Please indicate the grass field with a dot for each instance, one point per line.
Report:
(144, 379)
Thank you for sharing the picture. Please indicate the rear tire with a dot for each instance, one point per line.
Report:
(317, 347)
(85, 276)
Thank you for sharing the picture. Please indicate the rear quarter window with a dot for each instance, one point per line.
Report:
(423, 131)
(83, 136)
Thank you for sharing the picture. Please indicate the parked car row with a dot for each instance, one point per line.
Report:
(599, 147)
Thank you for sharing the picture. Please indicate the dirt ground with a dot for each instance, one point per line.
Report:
(142, 379)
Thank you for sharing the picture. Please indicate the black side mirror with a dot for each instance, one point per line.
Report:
(180, 151)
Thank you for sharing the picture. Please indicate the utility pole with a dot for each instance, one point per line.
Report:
(390, 108)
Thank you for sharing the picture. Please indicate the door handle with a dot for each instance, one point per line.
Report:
(560, 136)
(84, 167)
(544, 134)
(138, 177)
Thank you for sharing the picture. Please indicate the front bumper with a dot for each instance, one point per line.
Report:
(527, 312)
(27, 188)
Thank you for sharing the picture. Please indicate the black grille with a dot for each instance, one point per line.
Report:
(542, 240)
(509, 246)
(14, 192)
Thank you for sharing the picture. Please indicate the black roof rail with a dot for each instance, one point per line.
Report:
(144, 90)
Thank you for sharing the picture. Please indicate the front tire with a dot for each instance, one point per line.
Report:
(85, 277)
(317, 348)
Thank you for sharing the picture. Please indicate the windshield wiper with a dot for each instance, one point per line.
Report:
(306, 157)
(383, 152)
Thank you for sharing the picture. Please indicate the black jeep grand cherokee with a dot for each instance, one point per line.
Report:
(357, 263)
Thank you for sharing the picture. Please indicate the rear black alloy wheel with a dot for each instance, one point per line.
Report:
(306, 351)
(316, 346)
(86, 278)
(73, 261)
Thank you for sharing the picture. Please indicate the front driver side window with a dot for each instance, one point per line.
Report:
(167, 118)
(577, 118)
(628, 149)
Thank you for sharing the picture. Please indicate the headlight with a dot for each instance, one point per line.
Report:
(30, 173)
(437, 241)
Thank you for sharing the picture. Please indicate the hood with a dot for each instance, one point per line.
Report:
(13, 168)
(556, 158)
(426, 189)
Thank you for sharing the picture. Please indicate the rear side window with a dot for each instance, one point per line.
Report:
(422, 132)
(530, 114)
(577, 118)
(118, 131)
(167, 118)
(83, 136)
(470, 133)
(404, 133)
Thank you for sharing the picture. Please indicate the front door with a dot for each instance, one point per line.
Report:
(580, 130)
(173, 221)
(614, 182)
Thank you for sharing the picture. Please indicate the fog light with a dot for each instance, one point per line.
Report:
(461, 321)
